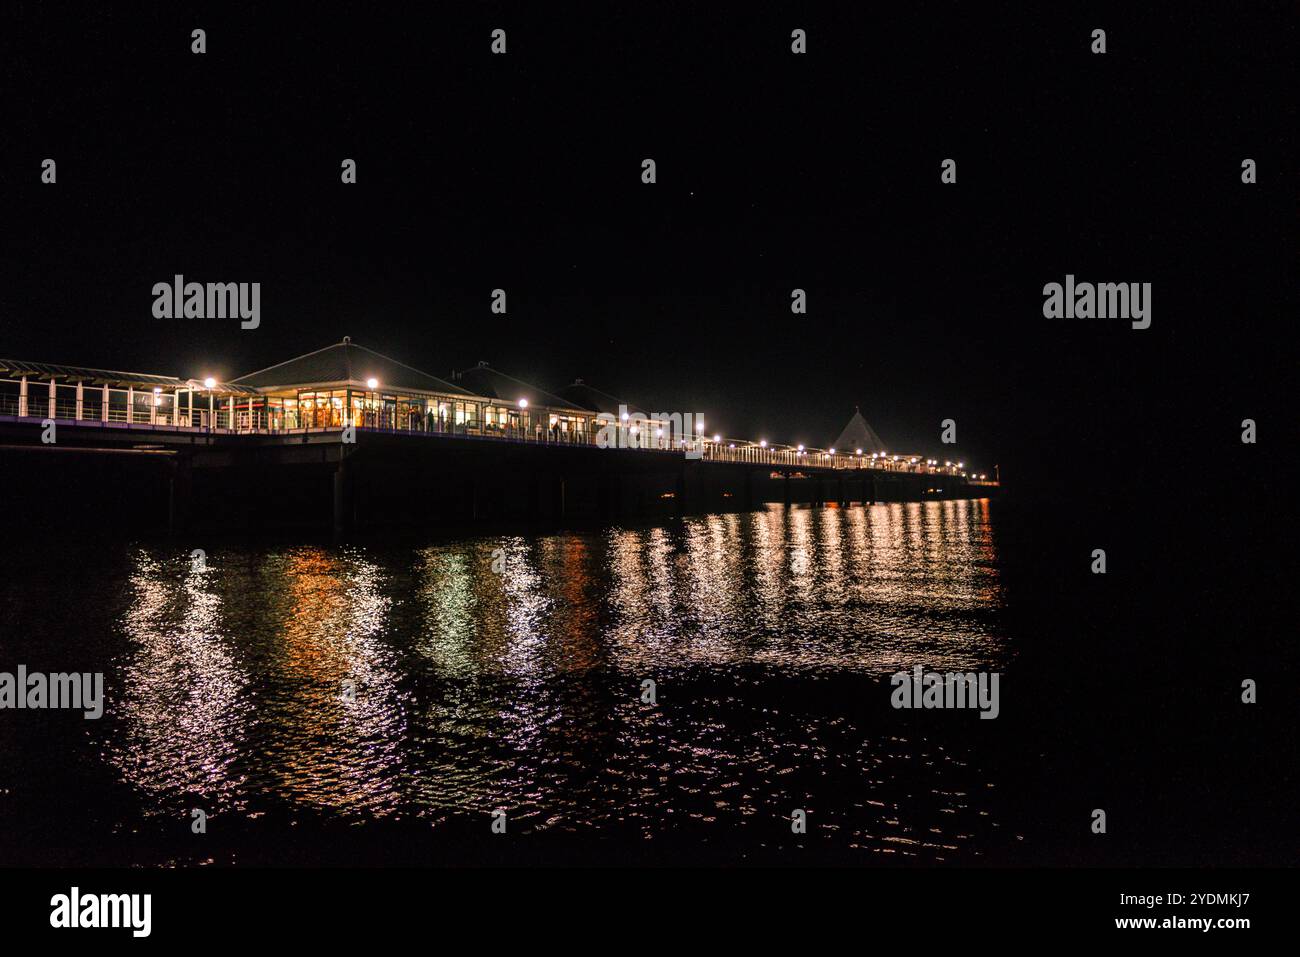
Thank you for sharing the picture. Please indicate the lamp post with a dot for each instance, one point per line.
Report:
(209, 384)
(371, 384)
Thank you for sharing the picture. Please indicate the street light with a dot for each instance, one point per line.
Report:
(372, 383)
(210, 383)
(523, 403)
(762, 443)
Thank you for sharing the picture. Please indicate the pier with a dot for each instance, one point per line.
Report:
(348, 438)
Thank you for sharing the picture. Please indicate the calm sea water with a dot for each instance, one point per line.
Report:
(507, 672)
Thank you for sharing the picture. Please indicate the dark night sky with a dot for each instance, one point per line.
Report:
(775, 171)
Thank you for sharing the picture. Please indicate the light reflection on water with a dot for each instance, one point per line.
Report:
(506, 672)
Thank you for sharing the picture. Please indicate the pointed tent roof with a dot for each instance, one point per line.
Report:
(859, 435)
(486, 381)
(589, 397)
(346, 363)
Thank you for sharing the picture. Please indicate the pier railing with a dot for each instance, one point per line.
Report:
(36, 408)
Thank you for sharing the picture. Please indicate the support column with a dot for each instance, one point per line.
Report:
(130, 404)
(536, 503)
(22, 397)
(51, 397)
(344, 505)
(179, 488)
(103, 404)
(609, 495)
(81, 398)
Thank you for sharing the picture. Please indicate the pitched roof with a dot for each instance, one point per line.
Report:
(486, 381)
(859, 435)
(16, 368)
(586, 397)
(346, 363)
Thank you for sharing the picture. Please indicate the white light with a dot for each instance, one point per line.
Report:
(895, 458)
(635, 430)
(523, 403)
(762, 443)
(801, 448)
(624, 416)
(732, 445)
(209, 382)
(659, 433)
(157, 390)
(832, 452)
(718, 438)
(859, 451)
(372, 383)
(958, 465)
(699, 426)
